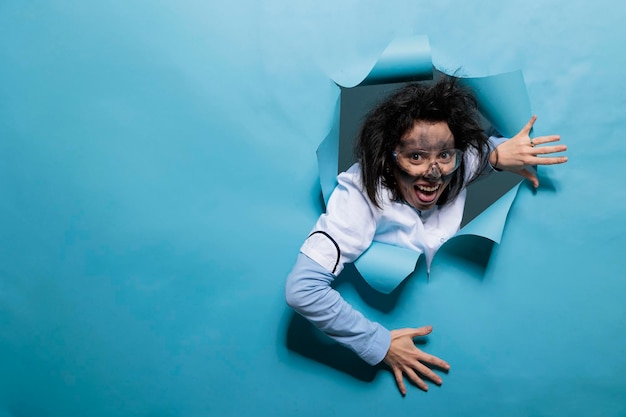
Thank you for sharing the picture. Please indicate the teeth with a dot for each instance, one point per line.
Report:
(428, 189)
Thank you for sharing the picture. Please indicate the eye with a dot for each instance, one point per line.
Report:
(416, 156)
(446, 155)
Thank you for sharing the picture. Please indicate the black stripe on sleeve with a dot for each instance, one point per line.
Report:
(334, 243)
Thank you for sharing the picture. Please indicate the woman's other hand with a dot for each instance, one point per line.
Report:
(520, 151)
(405, 359)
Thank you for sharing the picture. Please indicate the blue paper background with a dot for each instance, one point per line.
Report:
(158, 174)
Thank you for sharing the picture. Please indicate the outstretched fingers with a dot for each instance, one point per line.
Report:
(522, 151)
(406, 360)
(548, 150)
(413, 373)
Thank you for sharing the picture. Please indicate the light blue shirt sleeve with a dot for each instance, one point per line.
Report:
(477, 170)
(494, 141)
(309, 293)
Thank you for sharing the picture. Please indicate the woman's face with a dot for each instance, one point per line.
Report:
(425, 159)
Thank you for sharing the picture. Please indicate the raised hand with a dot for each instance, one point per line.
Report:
(520, 151)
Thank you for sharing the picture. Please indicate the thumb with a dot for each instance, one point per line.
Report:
(529, 175)
(526, 129)
(421, 331)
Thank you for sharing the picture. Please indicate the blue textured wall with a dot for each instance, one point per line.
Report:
(158, 175)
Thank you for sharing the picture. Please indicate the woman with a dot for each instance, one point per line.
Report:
(417, 151)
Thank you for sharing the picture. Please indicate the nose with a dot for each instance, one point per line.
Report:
(433, 172)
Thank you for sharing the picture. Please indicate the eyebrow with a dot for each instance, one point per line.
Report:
(407, 145)
(438, 140)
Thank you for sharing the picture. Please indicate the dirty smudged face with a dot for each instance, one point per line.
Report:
(425, 159)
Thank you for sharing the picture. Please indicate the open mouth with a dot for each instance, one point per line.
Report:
(426, 193)
(428, 189)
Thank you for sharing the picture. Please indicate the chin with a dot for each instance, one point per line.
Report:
(424, 207)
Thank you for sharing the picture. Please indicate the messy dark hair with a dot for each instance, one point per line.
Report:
(444, 101)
